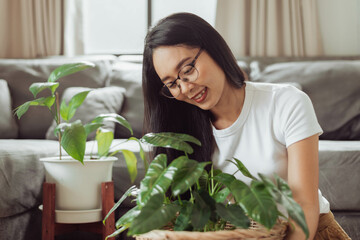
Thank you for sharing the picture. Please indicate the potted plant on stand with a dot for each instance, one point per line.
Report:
(216, 206)
(77, 177)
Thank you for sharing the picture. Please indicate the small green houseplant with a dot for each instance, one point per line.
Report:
(72, 135)
(77, 184)
(160, 201)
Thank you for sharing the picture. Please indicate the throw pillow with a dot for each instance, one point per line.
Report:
(129, 76)
(98, 101)
(8, 127)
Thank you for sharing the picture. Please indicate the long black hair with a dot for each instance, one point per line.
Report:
(170, 115)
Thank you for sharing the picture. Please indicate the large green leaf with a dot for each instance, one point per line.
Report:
(210, 202)
(256, 201)
(113, 117)
(222, 195)
(61, 128)
(282, 194)
(116, 205)
(128, 217)
(153, 215)
(204, 180)
(44, 101)
(183, 221)
(177, 141)
(68, 111)
(74, 140)
(131, 163)
(234, 214)
(157, 179)
(201, 212)
(242, 168)
(187, 173)
(104, 139)
(68, 69)
(117, 232)
(142, 153)
(225, 179)
(90, 127)
(36, 88)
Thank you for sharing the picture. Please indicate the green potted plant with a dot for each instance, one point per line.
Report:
(214, 200)
(77, 177)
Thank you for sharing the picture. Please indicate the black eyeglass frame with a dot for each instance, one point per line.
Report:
(192, 64)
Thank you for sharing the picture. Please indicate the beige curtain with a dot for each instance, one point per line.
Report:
(30, 28)
(39, 28)
(270, 27)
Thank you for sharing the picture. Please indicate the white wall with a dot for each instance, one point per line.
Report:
(340, 26)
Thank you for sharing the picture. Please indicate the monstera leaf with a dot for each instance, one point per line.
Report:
(153, 215)
(234, 214)
(256, 201)
(282, 195)
(188, 172)
(157, 179)
(171, 140)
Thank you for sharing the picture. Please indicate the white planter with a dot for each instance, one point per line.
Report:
(78, 187)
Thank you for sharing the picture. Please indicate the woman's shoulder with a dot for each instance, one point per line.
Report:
(273, 87)
(278, 91)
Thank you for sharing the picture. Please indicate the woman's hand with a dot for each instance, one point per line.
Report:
(303, 179)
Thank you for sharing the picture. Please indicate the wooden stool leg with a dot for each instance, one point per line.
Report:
(48, 214)
(107, 194)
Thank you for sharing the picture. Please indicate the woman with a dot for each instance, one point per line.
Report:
(192, 84)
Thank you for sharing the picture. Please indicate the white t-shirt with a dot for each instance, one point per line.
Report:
(273, 117)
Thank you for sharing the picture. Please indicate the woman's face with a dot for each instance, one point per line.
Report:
(208, 88)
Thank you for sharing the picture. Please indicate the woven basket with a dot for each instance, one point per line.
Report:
(256, 231)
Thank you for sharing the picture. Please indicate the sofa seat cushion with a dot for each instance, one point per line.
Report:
(22, 174)
(339, 177)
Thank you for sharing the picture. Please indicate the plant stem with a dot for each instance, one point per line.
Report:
(212, 179)
(191, 196)
(58, 121)
(180, 200)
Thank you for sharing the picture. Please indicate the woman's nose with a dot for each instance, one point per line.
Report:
(186, 87)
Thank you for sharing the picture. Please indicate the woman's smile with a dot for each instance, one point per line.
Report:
(200, 97)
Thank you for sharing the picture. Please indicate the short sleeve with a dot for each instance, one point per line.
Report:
(294, 116)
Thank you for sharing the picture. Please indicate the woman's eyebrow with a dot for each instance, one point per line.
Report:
(177, 67)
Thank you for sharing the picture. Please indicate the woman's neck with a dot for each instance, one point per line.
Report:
(229, 107)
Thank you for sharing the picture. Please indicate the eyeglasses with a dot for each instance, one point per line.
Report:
(188, 73)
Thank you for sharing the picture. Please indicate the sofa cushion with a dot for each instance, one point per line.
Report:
(21, 73)
(339, 167)
(22, 174)
(98, 101)
(330, 85)
(129, 75)
(8, 127)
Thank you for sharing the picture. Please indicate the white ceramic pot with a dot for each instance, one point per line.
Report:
(78, 187)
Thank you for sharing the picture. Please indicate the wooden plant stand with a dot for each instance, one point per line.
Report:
(50, 228)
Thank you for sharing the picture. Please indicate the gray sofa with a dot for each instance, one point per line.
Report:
(333, 85)
(24, 141)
